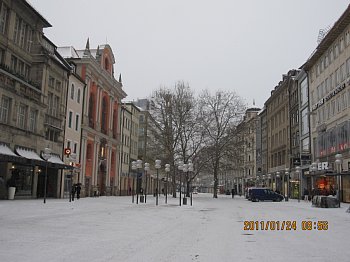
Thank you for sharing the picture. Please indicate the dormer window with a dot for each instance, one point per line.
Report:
(106, 64)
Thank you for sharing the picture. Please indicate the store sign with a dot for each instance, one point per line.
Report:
(322, 166)
(329, 96)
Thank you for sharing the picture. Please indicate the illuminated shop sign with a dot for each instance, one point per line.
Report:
(321, 166)
(329, 96)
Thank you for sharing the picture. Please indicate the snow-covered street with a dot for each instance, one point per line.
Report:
(114, 229)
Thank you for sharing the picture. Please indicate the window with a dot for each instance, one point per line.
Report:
(72, 92)
(348, 67)
(337, 77)
(2, 55)
(58, 85)
(4, 109)
(70, 119)
(304, 121)
(51, 82)
(336, 51)
(32, 120)
(21, 116)
(13, 66)
(78, 96)
(342, 44)
(4, 14)
(342, 72)
(76, 122)
(75, 148)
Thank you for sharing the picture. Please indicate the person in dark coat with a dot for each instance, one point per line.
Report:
(233, 192)
(78, 188)
(73, 191)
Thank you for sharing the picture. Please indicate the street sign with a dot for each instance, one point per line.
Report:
(67, 151)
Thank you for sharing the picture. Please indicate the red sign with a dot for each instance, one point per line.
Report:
(67, 151)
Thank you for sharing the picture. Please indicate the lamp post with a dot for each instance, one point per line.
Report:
(72, 158)
(146, 169)
(190, 169)
(157, 166)
(286, 173)
(167, 170)
(180, 166)
(139, 167)
(298, 171)
(46, 156)
(134, 168)
(338, 162)
(278, 175)
(313, 170)
(185, 170)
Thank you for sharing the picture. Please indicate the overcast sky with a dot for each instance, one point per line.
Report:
(240, 45)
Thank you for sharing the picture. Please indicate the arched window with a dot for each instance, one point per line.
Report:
(104, 116)
(91, 110)
(106, 64)
(72, 92)
(89, 152)
(115, 123)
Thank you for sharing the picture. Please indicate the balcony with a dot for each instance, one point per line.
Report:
(53, 122)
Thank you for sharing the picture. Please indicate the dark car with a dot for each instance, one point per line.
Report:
(264, 194)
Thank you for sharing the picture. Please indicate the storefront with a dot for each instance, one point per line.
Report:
(25, 170)
(325, 185)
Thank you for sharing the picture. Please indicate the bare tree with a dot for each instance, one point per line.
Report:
(220, 112)
(176, 112)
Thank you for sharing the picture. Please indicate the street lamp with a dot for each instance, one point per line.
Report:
(277, 176)
(338, 162)
(138, 166)
(72, 158)
(157, 166)
(190, 169)
(185, 171)
(167, 170)
(298, 171)
(313, 170)
(286, 173)
(46, 156)
(134, 168)
(180, 166)
(146, 169)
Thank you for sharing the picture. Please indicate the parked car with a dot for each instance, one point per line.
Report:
(263, 194)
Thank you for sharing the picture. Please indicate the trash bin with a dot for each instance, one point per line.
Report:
(184, 201)
(11, 193)
(142, 199)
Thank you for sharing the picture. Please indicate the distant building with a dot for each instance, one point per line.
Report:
(33, 90)
(328, 70)
(100, 143)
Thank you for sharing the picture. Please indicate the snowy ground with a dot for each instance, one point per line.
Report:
(114, 229)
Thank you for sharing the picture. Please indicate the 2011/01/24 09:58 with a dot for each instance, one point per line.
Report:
(288, 225)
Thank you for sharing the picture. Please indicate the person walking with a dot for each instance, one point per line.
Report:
(306, 194)
(78, 188)
(233, 192)
(73, 191)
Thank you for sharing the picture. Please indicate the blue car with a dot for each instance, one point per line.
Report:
(264, 194)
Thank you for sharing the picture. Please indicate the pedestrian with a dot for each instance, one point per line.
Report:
(306, 194)
(78, 188)
(233, 192)
(73, 191)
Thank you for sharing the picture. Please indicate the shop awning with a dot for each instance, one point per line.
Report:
(6, 154)
(5, 150)
(57, 161)
(29, 154)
